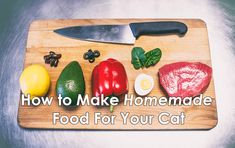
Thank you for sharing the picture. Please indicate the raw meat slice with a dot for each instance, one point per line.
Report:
(185, 79)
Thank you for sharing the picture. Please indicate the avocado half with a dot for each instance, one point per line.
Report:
(71, 82)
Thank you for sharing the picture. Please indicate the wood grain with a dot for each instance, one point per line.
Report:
(193, 46)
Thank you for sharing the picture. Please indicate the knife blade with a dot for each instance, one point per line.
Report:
(122, 34)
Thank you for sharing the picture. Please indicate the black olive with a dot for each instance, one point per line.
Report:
(96, 53)
(90, 55)
(51, 52)
(54, 56)
(58, 56)
(91, 60)
(86, 56)
(46, 57)
(47, 61)
(52, 62)
(56, 63)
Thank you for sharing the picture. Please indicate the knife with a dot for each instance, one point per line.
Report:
(122, 34)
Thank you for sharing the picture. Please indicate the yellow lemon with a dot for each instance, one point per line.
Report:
(35, 81)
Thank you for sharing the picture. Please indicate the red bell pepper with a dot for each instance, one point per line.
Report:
(110, 79)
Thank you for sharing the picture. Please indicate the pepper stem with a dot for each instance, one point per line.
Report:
(111, 108)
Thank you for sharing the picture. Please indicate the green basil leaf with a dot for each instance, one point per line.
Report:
(138, 58)
(152, 57)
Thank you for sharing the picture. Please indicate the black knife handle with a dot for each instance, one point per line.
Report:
(154, 28)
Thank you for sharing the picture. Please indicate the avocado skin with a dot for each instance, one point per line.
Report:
(71, 82)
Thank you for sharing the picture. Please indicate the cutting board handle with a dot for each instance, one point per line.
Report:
(154, 28)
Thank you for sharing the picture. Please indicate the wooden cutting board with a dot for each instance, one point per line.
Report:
(194, 46)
